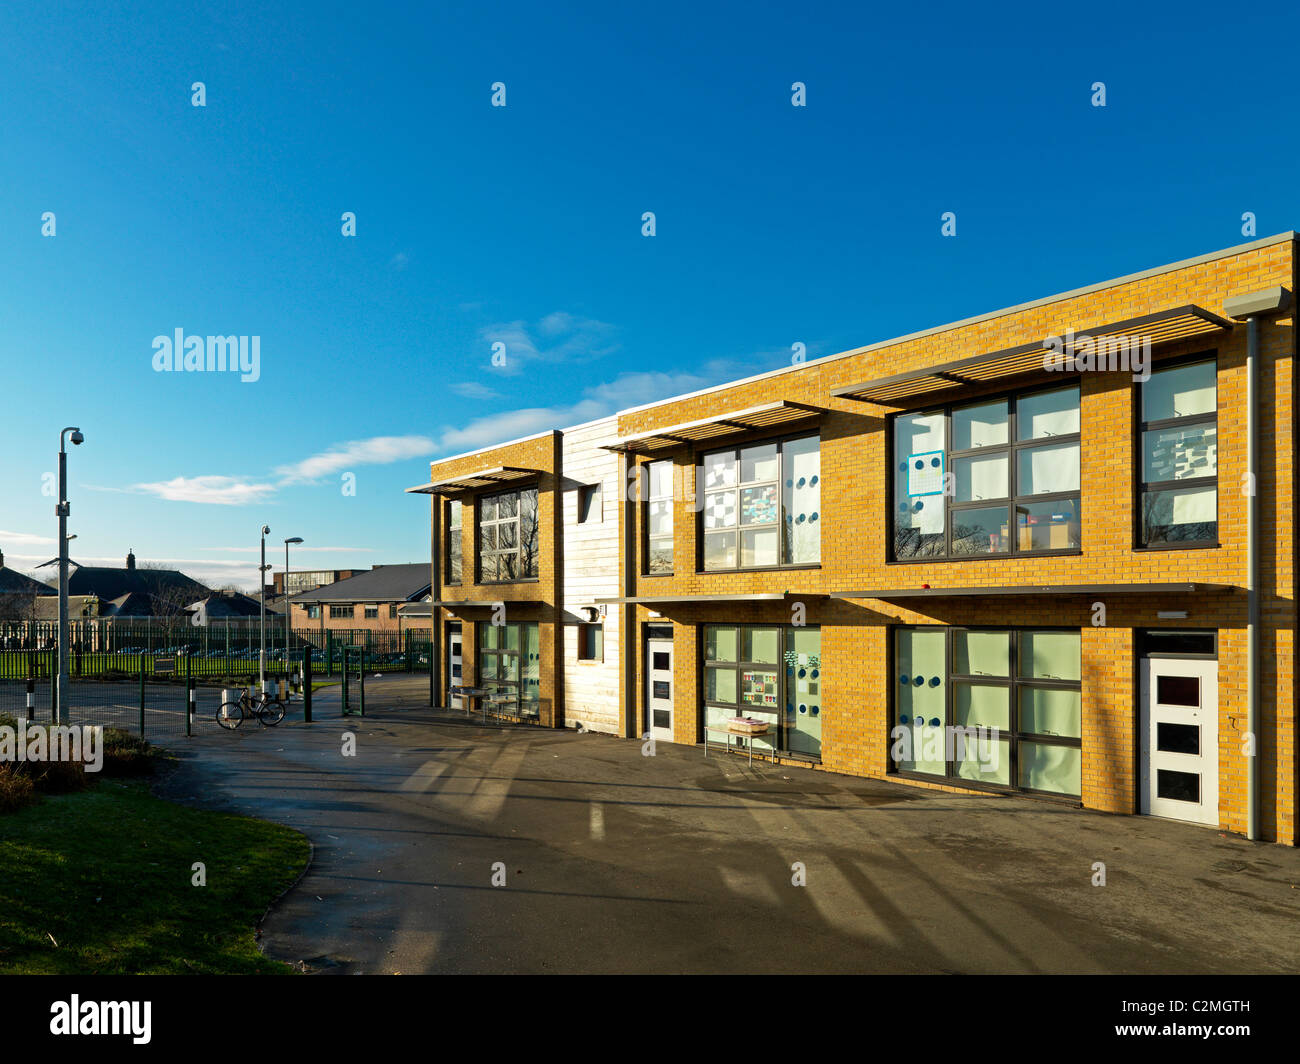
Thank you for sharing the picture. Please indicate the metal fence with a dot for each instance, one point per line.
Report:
(159, 689)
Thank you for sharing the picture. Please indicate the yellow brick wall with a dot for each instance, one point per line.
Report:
(855, 487)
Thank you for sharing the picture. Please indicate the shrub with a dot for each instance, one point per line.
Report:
(16, 789)
(126, 754)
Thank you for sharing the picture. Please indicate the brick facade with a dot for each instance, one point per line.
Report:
(856, 529)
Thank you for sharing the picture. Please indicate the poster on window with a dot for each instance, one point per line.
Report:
(758, 506)
(758, 688)
(925, 473)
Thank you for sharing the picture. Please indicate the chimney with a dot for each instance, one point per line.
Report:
(2, 559)
(130, 561)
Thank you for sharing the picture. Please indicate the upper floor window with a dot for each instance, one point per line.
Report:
(454, 541)
(1179, 491)
(987, 478)
(762, 505)
(371, 613)
(507, 536)
(589, 504)
(659, 518)
(340, 612)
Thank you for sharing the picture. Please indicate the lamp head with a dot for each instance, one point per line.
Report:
(295, 539)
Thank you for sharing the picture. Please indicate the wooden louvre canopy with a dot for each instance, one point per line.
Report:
(781, 412)
(1163, 327)
(484, 478)
(890, 594)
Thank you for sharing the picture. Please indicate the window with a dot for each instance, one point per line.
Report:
(762, 505)
(659, 518)
(509, 663)
(313, 612)
(993, 477)
(590, 508)
(1025, 683)
(770, 673)
(392, 611)
(1179, 490)
(507, 536)
(340, 611)
(371, 613)
(454, 542)
(591, 642)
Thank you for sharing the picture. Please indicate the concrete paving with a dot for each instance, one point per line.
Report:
(618, 862)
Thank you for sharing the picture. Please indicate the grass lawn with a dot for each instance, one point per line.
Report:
(99, 882)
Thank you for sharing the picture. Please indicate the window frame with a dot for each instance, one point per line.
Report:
(337, 613)
(370, 613)
(590, 500)
(701, 493)
(647, 479)
(481, 653)
(1012, 682)
(1012, 448)
(783, 646)
(457, 540)
(1140, 427)
(580, 644)
(518, 493)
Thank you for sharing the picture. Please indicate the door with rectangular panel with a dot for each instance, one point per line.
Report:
(1180, 739)
(659, 688)
(454, 666)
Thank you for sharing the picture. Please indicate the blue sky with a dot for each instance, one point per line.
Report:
(775, 225)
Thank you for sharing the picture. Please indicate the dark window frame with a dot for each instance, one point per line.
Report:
(1140, 427)
(581, 643)
(1012, 681)
(741, 708)
(517, 521)
(453, 536)
(342, 613)
(516, 683)
(1013, 501)
(370, 613)
(591, 504)
(644, 507)
(698, 459)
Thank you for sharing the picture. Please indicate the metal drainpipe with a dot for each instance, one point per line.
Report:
(1252, 576)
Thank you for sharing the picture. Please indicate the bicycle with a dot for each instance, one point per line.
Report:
(269, 711)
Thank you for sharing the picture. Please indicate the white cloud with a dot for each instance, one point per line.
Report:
(474, 390)
(378, 450)
(215, 490)
(566, 339)
(601, 400)
(22, 539)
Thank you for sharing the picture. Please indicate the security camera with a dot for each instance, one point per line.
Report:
(266, 530)
(76, 436)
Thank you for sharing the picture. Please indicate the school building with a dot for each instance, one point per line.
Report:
(1003, 555)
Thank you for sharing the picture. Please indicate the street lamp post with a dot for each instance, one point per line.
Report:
(62, 510)
(261, 602)
(284, 598)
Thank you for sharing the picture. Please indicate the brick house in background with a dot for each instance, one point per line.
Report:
(943, 531)
(368, 600)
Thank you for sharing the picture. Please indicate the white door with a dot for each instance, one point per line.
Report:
(1180, 739)
(454, 666)
(659, 687)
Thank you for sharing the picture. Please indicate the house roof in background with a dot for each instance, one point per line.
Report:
(384, 583)
(109, 583)
(13, 582)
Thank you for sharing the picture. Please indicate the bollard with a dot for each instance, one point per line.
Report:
(142, 694)
(31, 699)
(306, 685)
(225, 697)
(189, 698)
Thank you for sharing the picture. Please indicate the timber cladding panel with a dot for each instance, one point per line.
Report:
(855, 533)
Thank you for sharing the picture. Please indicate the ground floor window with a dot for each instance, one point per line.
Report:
(510, 663)
(999, 707)
(771, 673)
